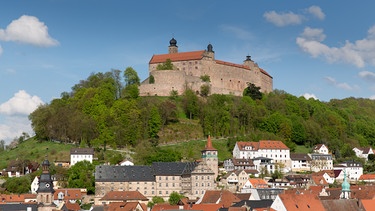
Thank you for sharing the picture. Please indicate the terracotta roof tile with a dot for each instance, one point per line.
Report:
(367, 177)
(269, 144)
(223, 197)
(301, 202)
(124, 196)
(122, 206)
(232, 64)
(72, 206)
(69, 193)
(258, 183)
(174, 57)
(368, 204)
(209, 146)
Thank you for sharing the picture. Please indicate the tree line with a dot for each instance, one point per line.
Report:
(106, 110)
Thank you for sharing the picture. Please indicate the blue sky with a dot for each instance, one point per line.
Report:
(320, 49)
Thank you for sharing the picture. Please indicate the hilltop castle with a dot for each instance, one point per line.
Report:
(189, 69)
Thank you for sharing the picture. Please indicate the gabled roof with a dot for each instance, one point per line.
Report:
(254, 204)
(222, 197)
(82, 151)
(262, 144)
(242, 162)
(318, 146)
(175, 57)
(301, 202)
(72, 206)
(122, 206)
(69, 193)
(256, 182)
(340, 205)
(123, 196)
(300, 156)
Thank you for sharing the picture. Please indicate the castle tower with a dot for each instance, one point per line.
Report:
(173, 48)
(248, 62)
(345, 188)
(209, 157)
(45, 189)
(209, 53)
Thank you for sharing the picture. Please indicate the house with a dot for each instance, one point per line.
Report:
(297, 201)
(126, 162)
(235, 180)
(327, 175)
(363, 152)
(321, 149)
(68, 196)
(275, 150)
(264, 165)
(81, 154)
(353, 170)
(223, 198)
(300, 162)
(34, 185)
(236, 163)
(298, 180)
(255, 183)
(253, 205)
(321, 162)
(126, 206)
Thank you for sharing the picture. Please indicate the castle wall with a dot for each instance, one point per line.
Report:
(226, 78)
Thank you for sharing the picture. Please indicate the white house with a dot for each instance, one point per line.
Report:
(321, 162)
(321, 148)
(81, 154)
(363, 152)
(275, 150)
(300, 162)
(353, 170)
(34, 185)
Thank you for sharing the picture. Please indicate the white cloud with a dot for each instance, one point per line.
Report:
(372, 97)
(367, 75)
(344, 86)
(283, 19)
(237, 31)
(308, 96)
(28, 29)
(20, 104)
(317, 12)
(358, 53)
(15, 112)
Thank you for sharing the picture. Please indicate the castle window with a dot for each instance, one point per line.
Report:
(196, 62)
(196, 67)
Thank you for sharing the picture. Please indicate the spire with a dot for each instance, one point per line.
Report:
(345, 187)
(209, 144)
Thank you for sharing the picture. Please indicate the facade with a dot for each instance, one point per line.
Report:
(363, 152)
(300, 162)
(237, 164)
(321, 148)
(352, 169)
(81, 154)
(191, 179)
(321, 162)
(275, 150)
(188, 67)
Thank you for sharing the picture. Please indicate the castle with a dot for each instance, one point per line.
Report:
(189, 69)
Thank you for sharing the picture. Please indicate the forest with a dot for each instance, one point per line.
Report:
(105, 110)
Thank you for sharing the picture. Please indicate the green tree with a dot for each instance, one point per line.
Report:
(131, 77)
(167, 65)
(81, 175)
(154, 123)
(151, 79)
(205, 90)
(252, 91)
(155, 200)
(18, 185)
(205, 78)
(174, 198)
(190, 104)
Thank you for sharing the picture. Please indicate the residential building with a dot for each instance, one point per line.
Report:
(321, 149)
(235, 180)
(363, 152)
(81, 154)
(236, 164)
(123, 196)
(353, 169)
(321, 162)
(300, 162)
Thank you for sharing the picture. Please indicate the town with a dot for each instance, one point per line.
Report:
(262, 175)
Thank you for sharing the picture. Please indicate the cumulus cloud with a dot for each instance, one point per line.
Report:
(358, 53)
(29, 30)
(308, 96)
(237, 31)
(283, 19)
(317, 12)
(344, 86)
(14, 115)
(20, 104)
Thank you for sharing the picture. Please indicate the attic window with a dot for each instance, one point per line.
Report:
(308, 206)
(297, 206)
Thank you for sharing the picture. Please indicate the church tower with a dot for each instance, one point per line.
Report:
(45, 188)
(173, 48)
(209, 157)
(345, 188)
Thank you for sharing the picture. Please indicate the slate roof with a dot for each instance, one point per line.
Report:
(18, 207)
(340, 205)
(107, 173)
(254, 203)
(300, 156)
(82, 151)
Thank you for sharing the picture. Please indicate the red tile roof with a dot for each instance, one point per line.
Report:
(368, 204)
(12, 198)
(222, 197)
(175, 57)
(123, 206)
(209, 146)
(69, 193)
(263, 144)
(232, 64)
(72, 206)
(367, 177)
(124, 196)
(301, 202)
(258, 183)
